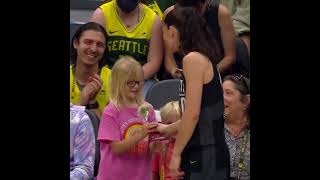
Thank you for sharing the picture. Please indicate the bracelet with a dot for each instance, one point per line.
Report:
(95, 105)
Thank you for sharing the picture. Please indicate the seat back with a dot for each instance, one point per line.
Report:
(162, 92)
(73, 28)
(95, 124)
(85, 4)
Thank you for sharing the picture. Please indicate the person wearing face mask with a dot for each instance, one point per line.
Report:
(133, 30)
(236, 94)
(158, 6)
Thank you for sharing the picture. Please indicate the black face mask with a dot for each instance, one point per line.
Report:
(127, 5)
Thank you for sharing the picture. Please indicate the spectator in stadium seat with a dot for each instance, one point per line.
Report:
(169, 113)
(200, 148)
(82, 145)
(123, 133)
(220, 25)
(133, 30)
(240, 11)
(89, 80)
(158, 6)
(236, 91)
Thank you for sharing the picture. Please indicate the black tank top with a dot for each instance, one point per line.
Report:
(210, 126)
(209, 130)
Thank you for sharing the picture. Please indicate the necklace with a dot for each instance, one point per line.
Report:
(236, 131)
(75, 82)
(130, 25)
(242, 152)
(243, 145)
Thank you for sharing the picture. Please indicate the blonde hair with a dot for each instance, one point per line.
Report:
(171, 108)
(125, 69)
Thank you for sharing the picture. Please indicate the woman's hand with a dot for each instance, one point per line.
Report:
(169, 42)
(163, 129)
(174, 167)
(166, 130)
(176, 73)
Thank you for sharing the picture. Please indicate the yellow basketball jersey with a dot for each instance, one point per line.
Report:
(121, 41)
(152, 4)
(103, 95)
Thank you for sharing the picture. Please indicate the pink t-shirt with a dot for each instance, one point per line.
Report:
(117, 125)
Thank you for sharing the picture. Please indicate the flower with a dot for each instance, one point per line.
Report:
(143, 111)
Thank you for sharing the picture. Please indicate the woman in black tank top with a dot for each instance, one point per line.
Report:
(219, 21)
(200, 150)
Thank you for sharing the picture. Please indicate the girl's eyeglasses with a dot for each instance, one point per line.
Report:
(132, 84)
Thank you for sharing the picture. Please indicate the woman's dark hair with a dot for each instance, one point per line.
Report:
(77, 35)
(194, 32)
(242, 83)
(195, 3)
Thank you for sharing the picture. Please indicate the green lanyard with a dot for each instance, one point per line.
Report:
(242, 152)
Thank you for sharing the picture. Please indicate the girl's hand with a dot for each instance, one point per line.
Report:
(147, 129)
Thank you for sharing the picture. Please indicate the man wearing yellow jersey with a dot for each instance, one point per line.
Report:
(89, 80)
(133, 30)
(158, 6)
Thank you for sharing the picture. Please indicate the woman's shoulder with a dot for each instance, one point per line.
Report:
(196, 58)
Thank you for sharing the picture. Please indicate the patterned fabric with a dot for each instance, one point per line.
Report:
(161, 160)
(82, 145)
(234, 144)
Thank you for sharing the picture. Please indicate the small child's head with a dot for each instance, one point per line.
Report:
(126, 82)
(170, 112)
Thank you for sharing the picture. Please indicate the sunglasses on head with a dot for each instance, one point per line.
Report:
(241, 79)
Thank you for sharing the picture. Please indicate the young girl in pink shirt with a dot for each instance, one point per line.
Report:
(123, 133)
